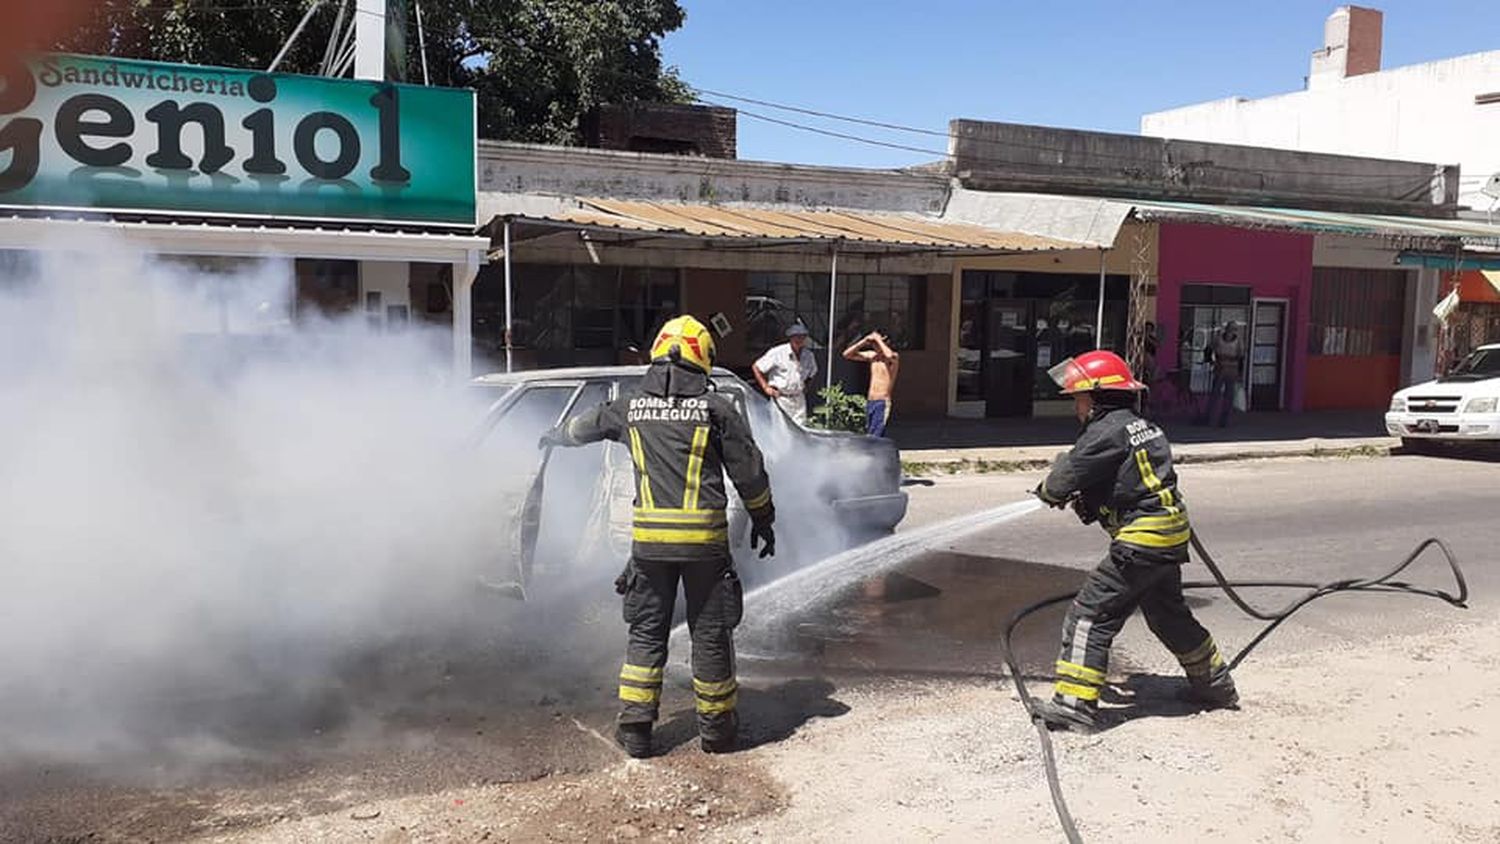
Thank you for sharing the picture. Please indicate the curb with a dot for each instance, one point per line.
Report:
(979, 466)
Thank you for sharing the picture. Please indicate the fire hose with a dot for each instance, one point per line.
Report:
(1384, 583)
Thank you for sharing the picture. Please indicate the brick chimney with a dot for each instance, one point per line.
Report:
(1351, 46)
(663, 128)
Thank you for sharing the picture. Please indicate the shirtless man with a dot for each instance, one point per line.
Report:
(884, 363)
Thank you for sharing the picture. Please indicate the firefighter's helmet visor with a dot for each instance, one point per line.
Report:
(1070, 377)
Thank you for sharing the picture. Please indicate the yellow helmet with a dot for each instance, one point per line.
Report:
(685, 339)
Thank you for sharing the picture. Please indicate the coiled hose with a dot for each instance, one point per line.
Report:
(1384, 583)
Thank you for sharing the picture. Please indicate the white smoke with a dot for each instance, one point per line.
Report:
(199, 503)
(208, 511)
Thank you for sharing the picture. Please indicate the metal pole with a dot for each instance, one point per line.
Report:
(422, 43)
(508, 296)
(276, 62)
(1099, 324)
(833, 296)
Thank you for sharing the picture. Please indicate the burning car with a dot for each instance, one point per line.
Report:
(572, 508)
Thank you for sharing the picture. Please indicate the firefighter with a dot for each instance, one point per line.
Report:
(1119, 474)
(683, 436)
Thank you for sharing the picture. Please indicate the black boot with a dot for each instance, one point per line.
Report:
(1215, 691)
(724, 737)
(635, 739)
(1060, 716)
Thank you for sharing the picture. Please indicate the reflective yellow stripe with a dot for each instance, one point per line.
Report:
(639, 455)
(1080, 692)
(695, 468)
(640, 673)
(1149, 478)
(714, 707)
(1080, 672)
(631, 694)
(682, 517)
(1207, 652)
(759, 501)
(722, 687)
(680, 537)
(1150, 539)
(1160, 524)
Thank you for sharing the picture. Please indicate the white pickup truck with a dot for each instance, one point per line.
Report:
(1460, 407)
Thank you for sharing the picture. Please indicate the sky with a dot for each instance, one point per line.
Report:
(1082, 64)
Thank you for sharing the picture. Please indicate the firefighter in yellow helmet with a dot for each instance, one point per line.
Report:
(683, 437)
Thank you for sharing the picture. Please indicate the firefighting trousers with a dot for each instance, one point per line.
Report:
(715, 604)
(1122, 583)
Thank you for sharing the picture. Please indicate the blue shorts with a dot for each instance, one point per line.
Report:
(876, 413)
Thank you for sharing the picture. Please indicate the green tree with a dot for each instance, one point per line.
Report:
(538, 66)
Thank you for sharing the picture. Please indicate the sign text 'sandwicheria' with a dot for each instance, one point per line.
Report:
(91, 132)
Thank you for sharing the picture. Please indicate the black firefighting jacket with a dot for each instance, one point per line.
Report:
(682, 438)
(1120, 474)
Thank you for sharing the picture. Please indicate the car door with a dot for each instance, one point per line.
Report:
(509, 452)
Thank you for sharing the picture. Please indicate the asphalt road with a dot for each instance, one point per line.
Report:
(1299, 519)
(444, 714)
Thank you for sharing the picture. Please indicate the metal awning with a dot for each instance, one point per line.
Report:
(1466, 232)
(640, 222)
(241, 238)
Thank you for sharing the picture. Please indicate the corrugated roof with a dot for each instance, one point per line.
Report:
(752, 223)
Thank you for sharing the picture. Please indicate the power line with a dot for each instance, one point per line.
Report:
(828, 132)
(862, 121)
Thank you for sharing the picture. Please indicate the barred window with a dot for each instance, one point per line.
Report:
(1357, 312)
(895, 305)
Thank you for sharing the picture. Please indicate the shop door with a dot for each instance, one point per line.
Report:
(1267, 354)
(1008, 367)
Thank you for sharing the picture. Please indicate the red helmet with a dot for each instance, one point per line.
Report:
(1096, 370)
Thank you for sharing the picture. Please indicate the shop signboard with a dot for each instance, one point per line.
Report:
(101, 133)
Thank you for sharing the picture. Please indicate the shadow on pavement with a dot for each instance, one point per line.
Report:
(1145, 696)
(767, 716)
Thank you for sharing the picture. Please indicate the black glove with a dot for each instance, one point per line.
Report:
(1085, 511)
(622, 583)
(553, 437)
(763, 533)
(1041, 492)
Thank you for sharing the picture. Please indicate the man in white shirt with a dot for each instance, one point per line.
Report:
(785, 373)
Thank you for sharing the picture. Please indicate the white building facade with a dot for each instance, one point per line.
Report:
(1445, 111)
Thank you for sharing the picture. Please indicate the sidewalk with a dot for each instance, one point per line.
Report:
(1025, 443)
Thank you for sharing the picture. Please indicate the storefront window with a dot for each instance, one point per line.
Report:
(573, 315)
(325, 288)
(1014, 326)
(1206, 309)
(892, 304)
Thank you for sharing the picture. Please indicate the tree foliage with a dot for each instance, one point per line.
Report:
(538, 66)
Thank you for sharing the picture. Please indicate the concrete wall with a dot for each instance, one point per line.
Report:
(1423, 112)
(1010, 157)
(1272, 264)
(571, 171)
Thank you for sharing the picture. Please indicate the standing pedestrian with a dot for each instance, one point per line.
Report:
(683, 437)
(785, 373)
(885, 364)
(1119, 473)
(1226, 354)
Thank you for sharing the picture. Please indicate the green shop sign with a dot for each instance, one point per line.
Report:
(102, 133)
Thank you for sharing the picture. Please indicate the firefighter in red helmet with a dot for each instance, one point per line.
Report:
(1119, 474)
